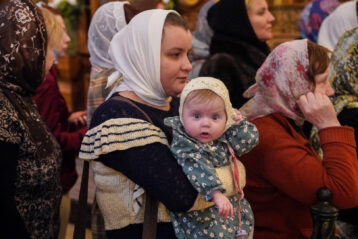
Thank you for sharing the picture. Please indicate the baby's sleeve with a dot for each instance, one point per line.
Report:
(242, 137)
(198, 168)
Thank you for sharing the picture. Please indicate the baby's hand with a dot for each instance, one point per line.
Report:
(223, 203)
(238, 116)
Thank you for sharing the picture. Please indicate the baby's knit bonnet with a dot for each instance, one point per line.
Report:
(213, 84)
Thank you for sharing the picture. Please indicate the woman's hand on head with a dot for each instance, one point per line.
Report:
(318, 110)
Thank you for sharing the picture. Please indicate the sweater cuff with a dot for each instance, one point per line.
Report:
(339, 134)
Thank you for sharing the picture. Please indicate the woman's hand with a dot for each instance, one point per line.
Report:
(318, 110)
(78, 118)
(223, 203)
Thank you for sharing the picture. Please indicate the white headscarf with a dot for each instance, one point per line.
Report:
(135, 53)
(106, 22)
(342, 19)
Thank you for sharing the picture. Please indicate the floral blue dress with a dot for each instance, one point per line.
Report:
(198, 161)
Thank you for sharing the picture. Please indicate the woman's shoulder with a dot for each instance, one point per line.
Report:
(117, 108)
(11, 128)
(270, 121)
(273, 126)
(112, 108)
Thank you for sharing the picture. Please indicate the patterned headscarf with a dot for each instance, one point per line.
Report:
(280, 81)
(313, 15)
(343, 76)
(105, 23)
(23, 46)
(343, 73)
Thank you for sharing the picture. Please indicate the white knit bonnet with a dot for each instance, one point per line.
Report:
(213, 84)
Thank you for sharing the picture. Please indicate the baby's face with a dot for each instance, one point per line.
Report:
(204, 121)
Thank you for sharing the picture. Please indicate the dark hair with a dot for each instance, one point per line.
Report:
(224, 67)
(130, 12)
(176, 20)
(318, 57)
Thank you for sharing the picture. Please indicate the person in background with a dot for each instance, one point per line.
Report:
(313, 15)
(68, 128)
(207, 134)
(31, 157)
(154, 65)
(343, 76)
(201, 40)
(106, 22)
(342, 19)
(284, 172)
(241, 29)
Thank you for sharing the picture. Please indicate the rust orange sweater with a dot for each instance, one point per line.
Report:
(284, 173)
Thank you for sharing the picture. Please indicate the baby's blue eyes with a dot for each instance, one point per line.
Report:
(214, 117)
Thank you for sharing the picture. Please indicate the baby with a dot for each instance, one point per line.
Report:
(208, 134)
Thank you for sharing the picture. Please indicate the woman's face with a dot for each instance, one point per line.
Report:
(260, 18)
(322, 84)
(62, 48)
(174, 63)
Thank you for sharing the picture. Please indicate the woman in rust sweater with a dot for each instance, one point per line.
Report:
(283, 171)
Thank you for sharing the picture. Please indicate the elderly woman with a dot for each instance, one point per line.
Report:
(106, 22)
(30, 171)
(238, 47)
(283, 171)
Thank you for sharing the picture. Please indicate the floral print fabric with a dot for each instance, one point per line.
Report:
(280, 81)
(198, 162)
(343, 77)
(344, 71)
(313, 15)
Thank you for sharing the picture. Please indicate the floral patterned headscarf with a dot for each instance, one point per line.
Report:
(343, 73)
(343, 76)
(280, 81)
(313, 15)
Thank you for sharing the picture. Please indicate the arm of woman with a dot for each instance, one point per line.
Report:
(12, 226)
(286, 160)
(154, 168)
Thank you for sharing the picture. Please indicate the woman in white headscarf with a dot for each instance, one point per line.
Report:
(106, 22)
(127, 143)
(342, 19)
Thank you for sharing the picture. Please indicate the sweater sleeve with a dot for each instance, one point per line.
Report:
(13, 226)
(289, 163)
(154, 168)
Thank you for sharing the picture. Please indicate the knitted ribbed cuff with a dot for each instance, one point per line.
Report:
(339, 134)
